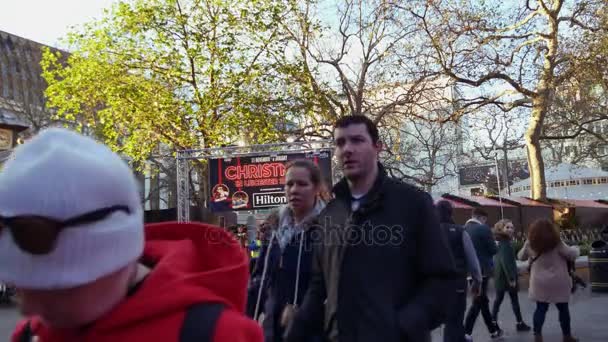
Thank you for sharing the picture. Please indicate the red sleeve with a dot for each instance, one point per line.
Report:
(236, 327)
(19, 330)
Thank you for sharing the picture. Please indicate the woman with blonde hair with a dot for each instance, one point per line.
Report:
(284, 268)
(550, 281)
(505, 272)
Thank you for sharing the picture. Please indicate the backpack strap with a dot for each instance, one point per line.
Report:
(532, 261)
(25, 335)
(200, 321)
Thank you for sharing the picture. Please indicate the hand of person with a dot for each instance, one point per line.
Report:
(287, 315)
(513, 284)
(476, 289)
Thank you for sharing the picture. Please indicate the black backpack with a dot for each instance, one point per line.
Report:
(199, 324)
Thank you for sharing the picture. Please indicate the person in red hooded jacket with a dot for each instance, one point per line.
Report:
(73, 243)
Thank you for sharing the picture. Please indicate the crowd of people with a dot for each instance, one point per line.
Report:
(380, 261)
(551, 280)
(478, 252)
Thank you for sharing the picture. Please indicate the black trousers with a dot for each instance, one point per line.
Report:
(454, 327)
(481, 304)
(500, 295)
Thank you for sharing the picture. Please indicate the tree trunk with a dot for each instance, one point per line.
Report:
(541, 104)
(154, 190)
(536, 164)
(199, 196)
(205, 191)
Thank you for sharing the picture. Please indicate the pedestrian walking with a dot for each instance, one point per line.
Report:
(283, 270)
(505, 273)
(466, 262)
(85, 268)
(485, 246)
(382, 269)
(550, 282)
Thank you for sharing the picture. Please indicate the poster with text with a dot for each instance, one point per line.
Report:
(257, 182)
(473, 175)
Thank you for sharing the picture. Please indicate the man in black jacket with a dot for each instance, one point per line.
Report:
(485, 246)
(466, 261)
(381, 263)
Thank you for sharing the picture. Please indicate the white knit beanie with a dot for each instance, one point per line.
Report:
(61, 174)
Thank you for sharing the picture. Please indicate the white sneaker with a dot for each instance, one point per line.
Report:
(468, 338)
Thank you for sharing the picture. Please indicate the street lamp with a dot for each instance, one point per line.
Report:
(502, 213)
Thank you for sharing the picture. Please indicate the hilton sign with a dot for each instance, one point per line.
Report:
(269, 199)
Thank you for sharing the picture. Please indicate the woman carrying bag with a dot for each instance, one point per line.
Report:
(550, 282)
(283, 270)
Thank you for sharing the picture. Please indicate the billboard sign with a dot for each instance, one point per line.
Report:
(257, 182)
(474, 175)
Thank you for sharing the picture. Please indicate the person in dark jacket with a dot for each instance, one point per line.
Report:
(505, 273)
(485, 246)
(466, 263)
(380, 267)
(282, 273)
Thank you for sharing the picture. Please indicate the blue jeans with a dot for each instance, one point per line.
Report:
(541, 312)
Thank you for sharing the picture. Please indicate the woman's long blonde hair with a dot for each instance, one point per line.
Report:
(500, 228)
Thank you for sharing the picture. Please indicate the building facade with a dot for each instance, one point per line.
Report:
(23, 109)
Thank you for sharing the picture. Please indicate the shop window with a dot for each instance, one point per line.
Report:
(476, 192)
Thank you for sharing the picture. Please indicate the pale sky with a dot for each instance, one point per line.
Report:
(46, 21)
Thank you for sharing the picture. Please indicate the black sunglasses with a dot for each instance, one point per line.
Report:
(38, 234)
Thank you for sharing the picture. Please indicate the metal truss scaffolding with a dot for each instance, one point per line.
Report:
(183, 158)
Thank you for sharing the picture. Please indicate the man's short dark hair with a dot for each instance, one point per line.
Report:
(348, 120)
(479, 212)
(444, 211)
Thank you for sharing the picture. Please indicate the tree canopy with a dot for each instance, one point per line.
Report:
(186, 74)
(514, 54)
(205, 73)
